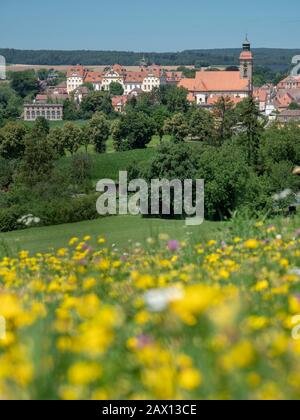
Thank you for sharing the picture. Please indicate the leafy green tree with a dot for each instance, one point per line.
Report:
(294, 106)
(249, 118)
(38, 161)
(159, 115)
(171, 161)
(225, 117)
(175, 99)
(6, 172)
(116, 89)
(98, 130)
(280, 144)
(202, 125)
(134, 131)
(225, 182)
(56, 139)
(71, 137)
(12, 140)
(41, 127)
(71, 112)
(81, 171)
(10, 103)
(43, 74)
(177, 127)
(281, 177)
(24, 83)
(96, 102)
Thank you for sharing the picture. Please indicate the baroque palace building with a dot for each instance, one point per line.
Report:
(208, 86)
(143, 79)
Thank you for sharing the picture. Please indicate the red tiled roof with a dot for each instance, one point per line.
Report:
(260, 95)
(93, 77)
(135, 76)
(214, 99)
(119, 100)
(77, 71)
(216, 81)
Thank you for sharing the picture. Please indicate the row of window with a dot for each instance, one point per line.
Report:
(46, 114)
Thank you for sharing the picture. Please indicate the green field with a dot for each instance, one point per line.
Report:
(119, 230)
(54, 124)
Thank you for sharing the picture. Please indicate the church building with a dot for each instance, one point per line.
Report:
(208, 86)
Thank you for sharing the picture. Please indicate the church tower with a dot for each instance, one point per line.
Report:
(246, 64)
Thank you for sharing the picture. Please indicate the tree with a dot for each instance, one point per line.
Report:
(134, 131)
(12, 140)
(159, 115)
(294, 105)
(56, 139)
(223, 111)
(279, 144)
(249, 115)
(24, 83)
(43, 74)
(38, 160)
(116, 89)
(171, 161)
(10, 103)
(174, 98)
(41, 127)
(6, 172)
(71, 137)
(177, 127)
(98, 130)
(225, 182)
(71, 112)
(96, 102)
(202, 125)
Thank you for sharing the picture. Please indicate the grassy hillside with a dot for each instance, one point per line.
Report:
(119, 230)
(108, 165)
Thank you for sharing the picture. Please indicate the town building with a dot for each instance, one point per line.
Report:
(51, 112)
(75, 78)
(289, 115)
(119, 103)
(290, 82)
(209, 86)
(144, 79)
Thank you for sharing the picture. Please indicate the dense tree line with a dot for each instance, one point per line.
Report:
(276, 59)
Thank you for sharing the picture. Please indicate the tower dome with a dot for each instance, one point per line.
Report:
(246, 44)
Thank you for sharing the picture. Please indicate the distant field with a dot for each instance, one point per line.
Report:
(118, 230)
(23, 67)
(56, 123)
(108, 165)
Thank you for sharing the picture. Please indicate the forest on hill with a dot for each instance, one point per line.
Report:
(274, 59)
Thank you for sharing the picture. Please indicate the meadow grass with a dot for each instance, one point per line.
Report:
(119, 230)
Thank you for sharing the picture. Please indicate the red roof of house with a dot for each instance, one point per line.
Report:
(260, 95)
(118, 100)
(214, 99)
(216, 81)
(77, 71)
(93, 77)
(135, 76)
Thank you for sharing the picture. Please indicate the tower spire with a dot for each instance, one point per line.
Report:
(246, 44)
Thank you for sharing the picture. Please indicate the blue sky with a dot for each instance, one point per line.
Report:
(148, 25)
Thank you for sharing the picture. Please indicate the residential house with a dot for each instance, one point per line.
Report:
(289, 115)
